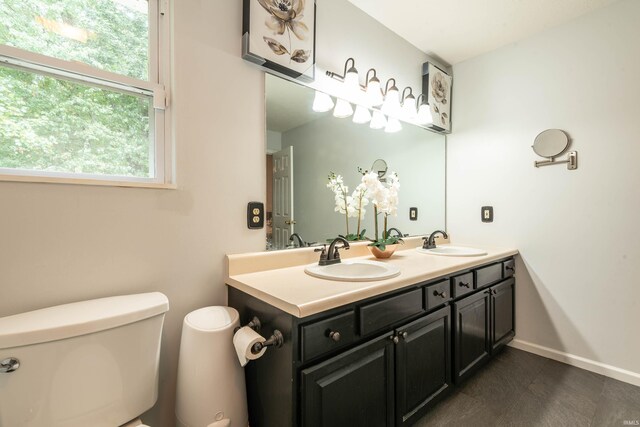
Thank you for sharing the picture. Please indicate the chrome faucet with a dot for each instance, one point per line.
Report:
(296, 236)
(430, 242)
(331, 255)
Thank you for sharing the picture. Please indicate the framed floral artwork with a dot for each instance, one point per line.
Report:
(279, 35)
(436, 84)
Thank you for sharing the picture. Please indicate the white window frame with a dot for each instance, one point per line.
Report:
(157, 87)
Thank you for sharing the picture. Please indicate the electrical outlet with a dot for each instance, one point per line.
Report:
(486, 214)
(413, 214)
(255, 215)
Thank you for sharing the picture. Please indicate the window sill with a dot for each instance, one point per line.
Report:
(86, 181)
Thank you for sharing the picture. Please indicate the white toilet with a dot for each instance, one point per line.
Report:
(86, 364)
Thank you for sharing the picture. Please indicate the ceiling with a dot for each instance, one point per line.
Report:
(456, 30)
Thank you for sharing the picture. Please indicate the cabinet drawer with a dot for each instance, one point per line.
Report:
(328, 334)
(389, 311)
(462, 284)
(437, 294)
(508, 268)
(487, 275)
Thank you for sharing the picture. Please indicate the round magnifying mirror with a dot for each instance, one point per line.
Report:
(550, 143)
(380, 167)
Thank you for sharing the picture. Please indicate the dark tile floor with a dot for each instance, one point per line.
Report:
(521, 389)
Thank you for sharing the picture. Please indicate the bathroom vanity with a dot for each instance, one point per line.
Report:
(372, 353)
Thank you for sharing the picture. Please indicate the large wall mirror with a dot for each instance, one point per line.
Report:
(304, 147)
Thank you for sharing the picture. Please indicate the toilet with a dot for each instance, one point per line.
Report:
(90, 363)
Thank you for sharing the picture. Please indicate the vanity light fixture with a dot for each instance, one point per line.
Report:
(373, 89)
(349, 78)
(393, 125)
(391, 105)
(343, 109)
(362, 115)
(409, 103)
(322, 102)
(378, 120)
(424, 110)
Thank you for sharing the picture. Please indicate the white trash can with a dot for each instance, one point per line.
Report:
(210, 390)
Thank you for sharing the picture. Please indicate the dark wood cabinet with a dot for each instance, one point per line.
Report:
(423, 365)
(471, 343)
(382, 361)
(502, 314)
(355, 388)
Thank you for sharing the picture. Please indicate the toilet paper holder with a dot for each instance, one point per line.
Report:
(275, 340)
(253, 324)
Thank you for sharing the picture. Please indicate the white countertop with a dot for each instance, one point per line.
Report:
(271, 278)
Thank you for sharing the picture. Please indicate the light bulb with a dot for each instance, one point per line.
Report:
(343, 109)
(322, 102)
(393, 125)
(424, 115)
(391, 106)
(362, 115)
(374, 93)
(409, 107)
(378, 121)
(351, 82)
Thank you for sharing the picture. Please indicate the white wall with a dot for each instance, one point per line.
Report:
(341, 146)
(64, 243)
(578, 231)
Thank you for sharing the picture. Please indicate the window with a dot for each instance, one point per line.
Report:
(82, 96)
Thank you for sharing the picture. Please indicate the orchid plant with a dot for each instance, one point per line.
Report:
(349, 205)
(384, 197)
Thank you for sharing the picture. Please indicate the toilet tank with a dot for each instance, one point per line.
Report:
(90, 363)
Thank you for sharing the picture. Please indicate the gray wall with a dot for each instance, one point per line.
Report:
(339, 145)
(578, 231)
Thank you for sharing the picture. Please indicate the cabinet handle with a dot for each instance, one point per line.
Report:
(508, 267)
(463, 285)
(404, 334)
(335, 336)
(394, 338)
(442, 294)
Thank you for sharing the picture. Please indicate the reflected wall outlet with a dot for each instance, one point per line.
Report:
(413, 214)
(487, 213)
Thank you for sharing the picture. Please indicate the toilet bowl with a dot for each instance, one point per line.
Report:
(91, 363)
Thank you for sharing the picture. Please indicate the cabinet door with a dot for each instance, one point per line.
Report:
(355, 388)
(423, 364)
(471, 341)
(502, 314)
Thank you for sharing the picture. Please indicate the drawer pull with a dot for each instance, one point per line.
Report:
(395, 339)
(464, 285)
(404, 334)
(508, 267)
(334, 335)
(442, 294)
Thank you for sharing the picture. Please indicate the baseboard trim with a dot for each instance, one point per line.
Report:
(579, 362)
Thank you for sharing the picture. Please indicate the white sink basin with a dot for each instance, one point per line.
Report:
(353, 271)
(448, 250)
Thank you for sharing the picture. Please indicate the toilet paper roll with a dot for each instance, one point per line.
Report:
(243, 340)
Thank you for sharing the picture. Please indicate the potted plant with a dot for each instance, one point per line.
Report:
(350, 205)
(384, 197)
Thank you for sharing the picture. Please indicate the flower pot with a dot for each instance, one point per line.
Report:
(388, 251)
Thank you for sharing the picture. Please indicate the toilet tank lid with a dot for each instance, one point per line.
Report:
(79, 318)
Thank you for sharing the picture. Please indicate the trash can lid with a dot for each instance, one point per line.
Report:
(212, 318)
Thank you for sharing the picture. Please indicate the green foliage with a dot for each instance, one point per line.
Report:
(382, 243)
(52, 124)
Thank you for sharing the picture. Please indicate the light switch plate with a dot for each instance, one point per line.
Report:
(413, 214)
(255, 215)
(486, 214)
